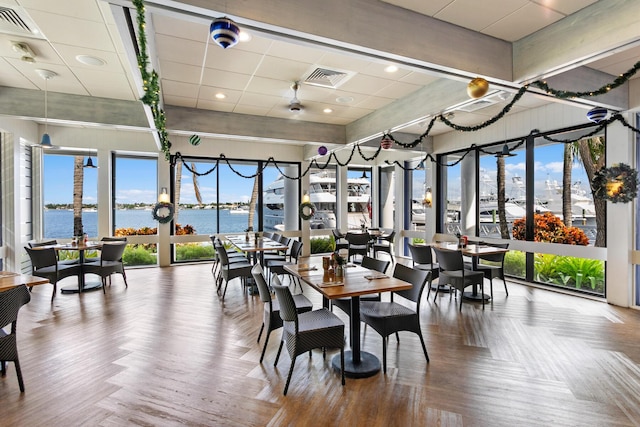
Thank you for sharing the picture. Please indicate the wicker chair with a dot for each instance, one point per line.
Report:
(491, 271)
(422, 258)
(10, 303)
(453, 273)
(305, 331)
(271, 317)
(44, 263)
(390, 317)
(110, 262)
(358, 244)
(384, 244)
(379, 265)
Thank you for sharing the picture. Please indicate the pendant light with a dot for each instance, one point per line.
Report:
(90, 164)
(46, 75)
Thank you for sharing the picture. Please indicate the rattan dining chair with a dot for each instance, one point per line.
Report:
(271, 319)
(109, 262)
(358, 244)
(422, 259)
(231, 270)
(453, 273)
(384, 244)
(44, 263)
(305, 331)
(497, 269)
(10, 303)
(277, 267)
(391, 317)
(339, 238)
(378, 265)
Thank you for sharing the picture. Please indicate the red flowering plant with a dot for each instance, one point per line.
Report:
(550, 228)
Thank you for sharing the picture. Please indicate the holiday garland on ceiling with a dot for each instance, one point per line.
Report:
(152, 97)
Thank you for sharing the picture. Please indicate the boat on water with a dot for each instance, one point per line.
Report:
(322, 193)
(239, 210)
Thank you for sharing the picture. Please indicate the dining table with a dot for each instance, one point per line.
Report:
(10, 280)
(355, 282)
(474, 251)
(82, 285)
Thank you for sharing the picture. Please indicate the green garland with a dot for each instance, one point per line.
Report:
(311, 210)
(163, 219)
(150, 83)
(619, 183)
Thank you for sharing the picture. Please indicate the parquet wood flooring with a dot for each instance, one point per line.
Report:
(166, 351)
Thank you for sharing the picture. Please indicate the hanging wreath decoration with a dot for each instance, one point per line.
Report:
(307, 210)
(163, 212)
(618, 183)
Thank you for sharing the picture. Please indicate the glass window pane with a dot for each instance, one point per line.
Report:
(280, 199)
(358, 198)
(58, 191)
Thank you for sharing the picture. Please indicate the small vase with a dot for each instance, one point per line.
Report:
(339, 272)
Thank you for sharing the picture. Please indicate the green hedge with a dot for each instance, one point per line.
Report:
(193, 251)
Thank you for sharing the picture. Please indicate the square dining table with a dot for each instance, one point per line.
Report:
(10, 280)
(356, 281)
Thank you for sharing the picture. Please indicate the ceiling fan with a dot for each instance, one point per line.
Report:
(294, 105)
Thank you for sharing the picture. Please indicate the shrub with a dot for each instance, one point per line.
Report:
(193, 251)
(320, 245)
(550, 228)
(138, 256)
(545, 267)
(514, 263)
(585, 273)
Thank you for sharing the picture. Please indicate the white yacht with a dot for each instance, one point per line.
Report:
(322, 193)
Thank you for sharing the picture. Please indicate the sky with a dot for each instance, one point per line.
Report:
(136, 179)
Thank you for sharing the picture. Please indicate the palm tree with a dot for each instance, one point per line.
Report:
(178, 169)
(591, 152)
(252, 203)
(502, 213)
(569, 155)
(196, 187)
(78, 183)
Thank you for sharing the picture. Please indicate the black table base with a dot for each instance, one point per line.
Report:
(475, 296)
(92, 285)
(369, 365)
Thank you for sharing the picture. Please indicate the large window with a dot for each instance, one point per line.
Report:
(358, 198)
(323, 194)
(62, 173)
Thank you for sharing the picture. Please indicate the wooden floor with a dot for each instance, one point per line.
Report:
(167, 352)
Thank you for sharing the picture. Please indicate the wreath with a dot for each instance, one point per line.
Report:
(307, 210)
(163, 212)
(618, 183)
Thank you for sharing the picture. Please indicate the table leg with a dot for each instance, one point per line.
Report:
(474, 295)
(357, 363)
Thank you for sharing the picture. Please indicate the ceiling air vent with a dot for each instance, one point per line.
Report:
(325, 77)
(14, 20)
(476, 105)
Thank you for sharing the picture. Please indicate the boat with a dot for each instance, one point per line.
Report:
(239, 210)
(322, 193)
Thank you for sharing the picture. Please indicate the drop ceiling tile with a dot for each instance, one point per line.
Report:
(568, 7)
(470, 14)
(419, 78)
(376, 69)
(364, 84)
(237, 61)
(179, 72)
(215, 105)
(524, 21)
(171, 87)
(225, 79)
(397, 90)
(179, 101)
(286, 50)
(260, 100)
(69, 53)
(257, 44)
(264, 86)
(179, 50)
(180, 28)
(429, 8)
(11, 77)
(87, 10)
(284, 69)
(345, 62)
(373, 102)
(73, 31)
(209, 93)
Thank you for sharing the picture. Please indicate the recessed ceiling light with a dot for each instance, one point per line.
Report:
(344, 99)
(391, 68)
(245, 36)
(328, 110)
(90, 60)
(221, 95)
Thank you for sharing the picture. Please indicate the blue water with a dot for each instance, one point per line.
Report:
(58, 224)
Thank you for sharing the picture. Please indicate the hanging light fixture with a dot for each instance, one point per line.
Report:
(305, 197)
(364, 175)
(90, 164)
(224, 32)
(46, 75)
(504, 152)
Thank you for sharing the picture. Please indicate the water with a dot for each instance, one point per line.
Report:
(58, 224)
